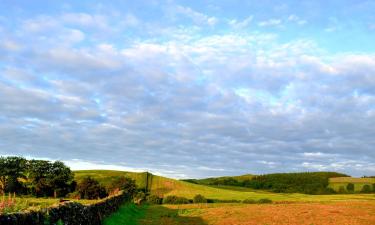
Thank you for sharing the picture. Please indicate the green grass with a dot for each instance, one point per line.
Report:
(337, 182)
(128, 214)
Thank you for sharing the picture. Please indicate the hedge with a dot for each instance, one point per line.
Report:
(69, 213)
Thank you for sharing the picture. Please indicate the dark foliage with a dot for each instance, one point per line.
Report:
(125, 184)
(175, 200)
(39, 177)
(89, 188)
(264, 201)
(308, 183)
(71, 213)
(199, 199)
(154, 200)
(366, 189)
(350, 187)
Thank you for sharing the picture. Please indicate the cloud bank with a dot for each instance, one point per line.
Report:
(119, 91)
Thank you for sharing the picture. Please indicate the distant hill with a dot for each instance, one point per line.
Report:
(225, 180)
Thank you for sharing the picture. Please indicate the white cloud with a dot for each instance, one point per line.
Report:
(241, 24)
(197, 17)
(270, 22)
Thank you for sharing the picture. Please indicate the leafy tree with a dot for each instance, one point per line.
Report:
(11, 169)
(350, 187)
(125, 184)
(199, 199)
(90, 188)
(366, 189)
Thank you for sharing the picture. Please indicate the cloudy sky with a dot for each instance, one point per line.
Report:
(190, 88)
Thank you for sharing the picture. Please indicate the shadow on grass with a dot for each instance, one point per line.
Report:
(161, 215)
(131, 214)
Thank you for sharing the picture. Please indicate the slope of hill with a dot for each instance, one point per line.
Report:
(226, 180)
(163, 186)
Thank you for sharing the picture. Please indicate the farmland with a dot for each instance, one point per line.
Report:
(337, 182)
(242, 214)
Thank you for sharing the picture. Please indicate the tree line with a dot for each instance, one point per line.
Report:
(43, 178)
(307, 183)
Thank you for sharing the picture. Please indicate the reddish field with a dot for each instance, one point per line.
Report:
(338, 213)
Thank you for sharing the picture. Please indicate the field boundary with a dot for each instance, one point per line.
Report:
(72, 213)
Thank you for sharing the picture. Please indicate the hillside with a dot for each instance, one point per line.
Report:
(225, 180)
(163, 186)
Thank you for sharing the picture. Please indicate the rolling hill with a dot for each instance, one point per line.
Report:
(163, 186)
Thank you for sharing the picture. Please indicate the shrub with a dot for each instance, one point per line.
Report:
(125, 184)
(175, 200)
(264, 201)
(366, 189)
(350, 187)
(249, 201)
(154, 200)
(90, 188)
(199, 199)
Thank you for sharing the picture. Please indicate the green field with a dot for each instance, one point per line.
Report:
(337, 182)
(163, 186)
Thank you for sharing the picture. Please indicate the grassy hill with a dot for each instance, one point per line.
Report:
(233, 180)
(163, 186)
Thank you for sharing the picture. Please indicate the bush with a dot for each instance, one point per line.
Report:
(366, 189)
(125, 184)
(199, 199)
(350, 187)
(90, 188)
(249, 201)
(264, 201)
(175, 200)
(154, 200)
(139, 198)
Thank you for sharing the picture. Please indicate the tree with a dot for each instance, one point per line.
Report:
(45, 178)
(90, 188)
(125, 184)
(11, 169)
(199, 199)
(366, 189)
(350, 187)
(60, 178)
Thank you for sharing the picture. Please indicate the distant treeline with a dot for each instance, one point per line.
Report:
(308, 182)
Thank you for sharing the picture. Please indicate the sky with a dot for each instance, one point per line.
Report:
(190, 89)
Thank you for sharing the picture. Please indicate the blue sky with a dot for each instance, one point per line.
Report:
(190, 88)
